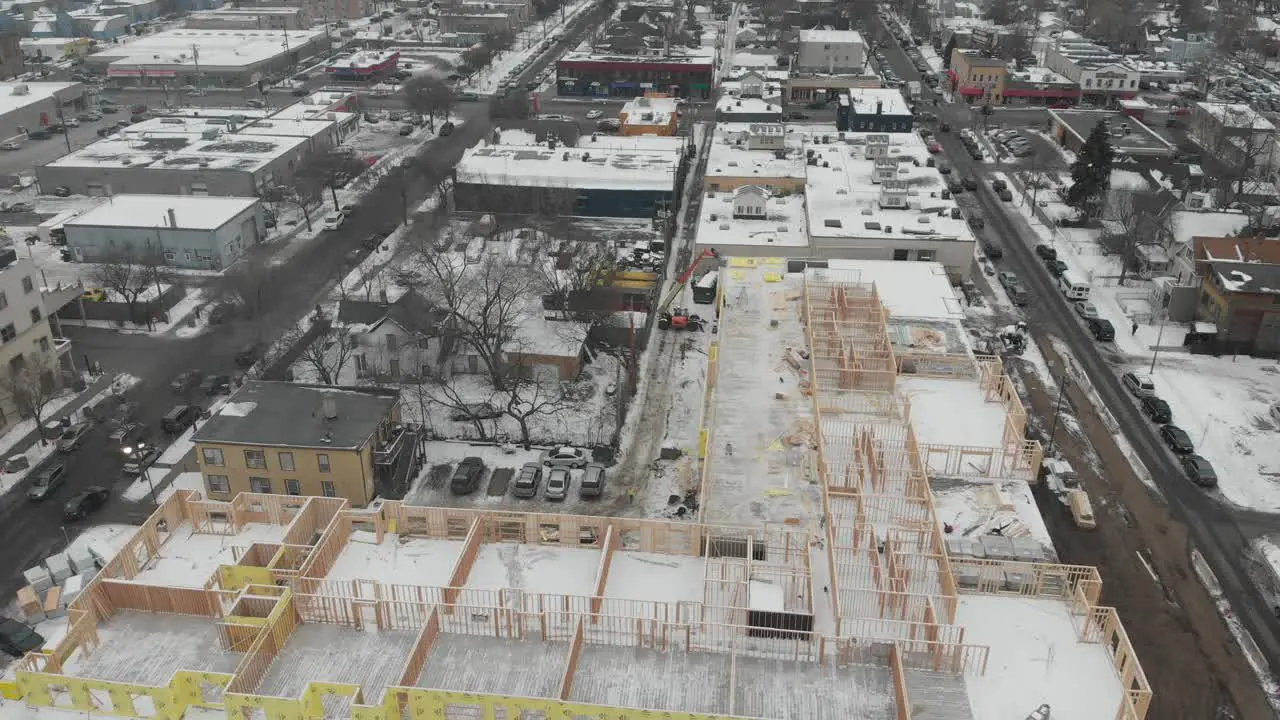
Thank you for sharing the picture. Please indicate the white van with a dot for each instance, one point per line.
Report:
(1073, 287)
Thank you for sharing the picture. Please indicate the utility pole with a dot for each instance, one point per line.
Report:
(195, 58)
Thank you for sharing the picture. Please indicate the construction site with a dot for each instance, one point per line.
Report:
(818, 582)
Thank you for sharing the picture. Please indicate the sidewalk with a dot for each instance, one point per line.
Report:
(23, 444)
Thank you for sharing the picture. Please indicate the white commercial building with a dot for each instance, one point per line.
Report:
(831, 50)
(202, 233)
(205, 58)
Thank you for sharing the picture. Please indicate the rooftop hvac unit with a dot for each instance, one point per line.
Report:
(22, 89)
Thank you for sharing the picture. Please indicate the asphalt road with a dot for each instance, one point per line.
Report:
(1215, 528)
(31, 532)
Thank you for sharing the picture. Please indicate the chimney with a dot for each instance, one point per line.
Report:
(173, 218)
(329, 408)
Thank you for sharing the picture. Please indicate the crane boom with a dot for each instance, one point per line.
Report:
(683, 279)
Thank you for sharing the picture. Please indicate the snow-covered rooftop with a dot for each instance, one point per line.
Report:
(189, 558)
(844, 202)
(584, 166)
(191, 212)
(649, 110)
(731, 156)
(783, 226)
(878, 101)
(203, 142)
(218, 48)
(830, 36)
(917, 290)
(1236, 115)
(729, 105)
(12, 97)
(363, 59)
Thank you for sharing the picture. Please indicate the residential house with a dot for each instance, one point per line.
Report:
(750, 202)
(396, 339)
(976, 77)
(546, 346)
(1240, 291)
(298, 439)
(1234, 133)
(751, 84)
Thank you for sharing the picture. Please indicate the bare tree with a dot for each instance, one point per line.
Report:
(567, 271)
(331, 170)
(301, 194)
(1241, 151)
(447, 391)
(1139, 219)
(429, 96)
(484, 303)
(31, 386)
(328, 353)
(129, 272)
(529, 397)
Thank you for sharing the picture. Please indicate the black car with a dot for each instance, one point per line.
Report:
(1056, 267)
(797, 116)
(1156, 409)
(466, 477)
(85, 502)
(216, 385)
(185, 381)
(1046, 252)
(992, 249)
(1199, 470)
(1177, 439)
(17, 638)
(300, 92)
(998, 185)
(944, 127)
(969, 183)
(1101, 329)
(955, 187)
(179, 418)
(247, 355)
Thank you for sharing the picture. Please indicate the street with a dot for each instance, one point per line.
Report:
(34, 531)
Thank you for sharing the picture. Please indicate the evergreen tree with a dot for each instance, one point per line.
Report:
(946, 52)
(1091, 172)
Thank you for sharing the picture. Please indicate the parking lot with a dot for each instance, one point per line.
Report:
(494, 486)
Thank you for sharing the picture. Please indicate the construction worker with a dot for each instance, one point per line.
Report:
(631, 495)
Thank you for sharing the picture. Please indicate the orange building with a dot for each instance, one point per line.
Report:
(650, 115)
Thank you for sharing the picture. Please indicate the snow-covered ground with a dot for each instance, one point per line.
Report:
(528, 46)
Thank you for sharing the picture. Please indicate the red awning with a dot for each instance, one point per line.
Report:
(971, 91)
(1047, 93)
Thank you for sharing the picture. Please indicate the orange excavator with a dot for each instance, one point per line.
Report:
(679, 318)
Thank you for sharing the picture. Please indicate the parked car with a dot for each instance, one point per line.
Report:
(84, 502)
(11, 145)
(127, 434)
(565, 456)
(1199, 470)
(47, 481)
(1085, 309)
(406, 130)
(1008, 279)
(300, 92)
(17, 638)
(186, 380)
(62, 191)
(592, 485)
(179, 418)
(977, 222)
(558, 481)
(1138, 384)
(1056, 267)
(1046, 252)
(992, 249)
(1156, 409)
(1177, 439)
(466, 477)
(72, 436)
(608, 124)
(468, 97)
(944, 127)
(256, 104)
(1004, 195)
(247, 355)
(969, 183)
(594, 114)
(998, 185)
(334, 220)
(142, 457)
(528, 480)
(216, 385)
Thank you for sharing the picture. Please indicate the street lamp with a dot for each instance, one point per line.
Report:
(1057, 409)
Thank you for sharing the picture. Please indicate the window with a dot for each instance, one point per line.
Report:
(901, 254)
(213, 456)
(44, 344)
(393, 342)
(322, 460)
(326, 487)
(199, 189)
(260, 485)
(27, 284)
(218, 483)
(8, 332)
(255, 459)
(925, 255)
(36, 315)
(292, 487)
(286, 461)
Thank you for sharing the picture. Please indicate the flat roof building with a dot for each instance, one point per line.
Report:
(205, 58)
(1128, 135)
(189, 231)
(199, 151)
(831, 50)
(28, 106)
(588, 180)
